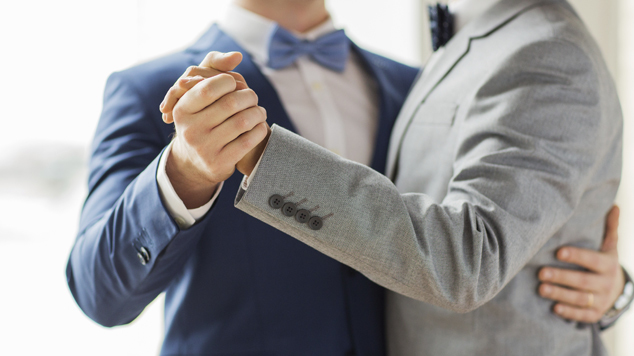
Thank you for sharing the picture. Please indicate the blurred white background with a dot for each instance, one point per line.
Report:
(56, 56)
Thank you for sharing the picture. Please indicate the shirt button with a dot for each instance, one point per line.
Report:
(289, 209)
(315, 223)
(316, 86)
(302, 216)
(276, 201)
(144, 255)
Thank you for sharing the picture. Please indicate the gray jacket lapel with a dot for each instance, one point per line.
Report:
(456, 49)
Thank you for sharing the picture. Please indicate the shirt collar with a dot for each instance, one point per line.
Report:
(252, 31)
(466, 10)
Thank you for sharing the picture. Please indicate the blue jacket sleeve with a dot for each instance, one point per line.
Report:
(124, 215)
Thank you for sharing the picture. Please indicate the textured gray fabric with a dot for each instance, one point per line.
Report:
(508, 149)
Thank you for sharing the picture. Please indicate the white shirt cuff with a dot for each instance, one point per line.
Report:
(184, 217)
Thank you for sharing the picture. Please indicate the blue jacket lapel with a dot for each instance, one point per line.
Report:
(216, 40)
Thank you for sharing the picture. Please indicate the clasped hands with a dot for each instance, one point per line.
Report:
(220, 127)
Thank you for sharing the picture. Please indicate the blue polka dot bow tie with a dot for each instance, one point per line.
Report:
(441, 25)
(330, 51)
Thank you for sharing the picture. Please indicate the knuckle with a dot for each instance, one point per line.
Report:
(202, 151)
(188, 135)
(172, 91)
(178, 113)
(261, 116)
(230, 103)
(581, 299)
(574, 314)
(261, 132)
(243, 123)
(240, 77)
(253, 97)
(248, 142)
(226, 78)
(190, 70)
(553, 292)
(563, 310)
(584, 281)
(213, 54)
(207, 91)
(209, 56)
(182, 82)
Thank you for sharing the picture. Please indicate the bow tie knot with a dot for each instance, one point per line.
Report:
(330, 51)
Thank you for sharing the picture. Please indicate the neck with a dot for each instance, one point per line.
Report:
(296, 15)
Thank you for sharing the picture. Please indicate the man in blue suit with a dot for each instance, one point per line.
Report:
(234, 286)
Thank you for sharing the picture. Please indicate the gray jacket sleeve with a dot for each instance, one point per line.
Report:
(532, 143)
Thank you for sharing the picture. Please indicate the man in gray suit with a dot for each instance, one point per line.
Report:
(514, 137)
(508, 147)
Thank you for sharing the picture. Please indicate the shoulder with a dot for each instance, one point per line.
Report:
(552, 24)
(551, 42)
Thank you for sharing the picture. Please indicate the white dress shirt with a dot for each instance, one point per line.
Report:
(338, 111)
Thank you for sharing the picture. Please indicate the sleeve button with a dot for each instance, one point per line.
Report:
(144, 255)
(289, 209)
(315, 223)
(276, 201)
(302, 216)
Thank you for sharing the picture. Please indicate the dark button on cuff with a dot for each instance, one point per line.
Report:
(289, 209)
(276, 201)
(302, 216)
(144, 255)
(315, 223)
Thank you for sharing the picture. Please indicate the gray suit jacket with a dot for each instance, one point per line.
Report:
(508, 148)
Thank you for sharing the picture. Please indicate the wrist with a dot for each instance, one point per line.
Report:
(621, 305)
(191, 186)
(627, 293)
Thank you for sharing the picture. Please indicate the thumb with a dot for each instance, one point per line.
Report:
(223, 62)
(611, 238)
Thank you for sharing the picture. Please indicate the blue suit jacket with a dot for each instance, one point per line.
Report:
(234, 286)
